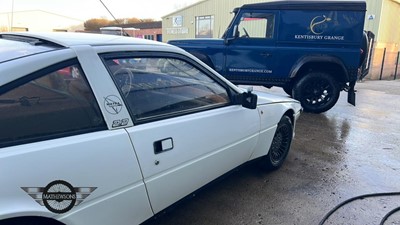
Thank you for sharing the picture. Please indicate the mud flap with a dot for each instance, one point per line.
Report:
(351, 95)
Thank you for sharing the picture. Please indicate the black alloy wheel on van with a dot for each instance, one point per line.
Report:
(317, 92)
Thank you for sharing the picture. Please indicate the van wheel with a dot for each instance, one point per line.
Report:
(288, 90)
(317, 92)
(280, 145)
(205, 59)
(364, 48)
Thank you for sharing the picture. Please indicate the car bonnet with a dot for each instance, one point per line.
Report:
(267, 98)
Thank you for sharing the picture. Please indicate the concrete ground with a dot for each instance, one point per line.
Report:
(345, 152)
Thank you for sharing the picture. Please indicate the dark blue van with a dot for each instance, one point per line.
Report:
(313, 49)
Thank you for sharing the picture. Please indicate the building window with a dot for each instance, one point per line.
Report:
(149, 37)
(204, 26)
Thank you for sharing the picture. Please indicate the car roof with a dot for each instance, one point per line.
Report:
(68, 39)
(14, 45)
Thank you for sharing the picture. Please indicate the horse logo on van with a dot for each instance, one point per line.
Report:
(318, 24)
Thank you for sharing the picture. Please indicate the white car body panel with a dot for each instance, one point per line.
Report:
(127, 206)
(132, 182)
(113, 166)
(196, 158)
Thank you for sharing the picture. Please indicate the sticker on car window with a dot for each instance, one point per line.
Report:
(113, 104)
(59, 196)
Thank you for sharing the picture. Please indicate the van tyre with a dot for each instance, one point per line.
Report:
(205, 59)
(288, 90)
(280, 145)
(364, 49)
(317, 92)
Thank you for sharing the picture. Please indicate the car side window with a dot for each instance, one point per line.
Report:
(48, 104)
(156, 88)
(256, 25)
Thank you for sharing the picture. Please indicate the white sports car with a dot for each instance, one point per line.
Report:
(102, 129)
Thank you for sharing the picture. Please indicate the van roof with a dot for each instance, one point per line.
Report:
(341, 5)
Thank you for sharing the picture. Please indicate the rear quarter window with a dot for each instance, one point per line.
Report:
(48, 105)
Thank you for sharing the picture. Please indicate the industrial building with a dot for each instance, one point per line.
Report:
(146, 30)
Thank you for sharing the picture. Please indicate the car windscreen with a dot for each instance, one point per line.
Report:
(11, 49)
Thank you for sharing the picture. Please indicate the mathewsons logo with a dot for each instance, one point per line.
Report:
(59, 196)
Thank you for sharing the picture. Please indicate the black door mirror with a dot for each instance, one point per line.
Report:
(249, 100)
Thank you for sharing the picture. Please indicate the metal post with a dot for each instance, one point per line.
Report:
(383, 63)
(397, 63)
(12, 16)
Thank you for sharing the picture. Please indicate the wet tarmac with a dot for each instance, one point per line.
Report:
(345, 152)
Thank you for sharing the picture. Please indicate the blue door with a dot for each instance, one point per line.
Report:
(251, 51)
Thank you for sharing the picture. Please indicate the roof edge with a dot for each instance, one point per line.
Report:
(191, 5)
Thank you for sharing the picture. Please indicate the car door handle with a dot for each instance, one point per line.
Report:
(266, 54)
(163, 145)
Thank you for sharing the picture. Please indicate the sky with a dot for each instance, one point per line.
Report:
(87, 9)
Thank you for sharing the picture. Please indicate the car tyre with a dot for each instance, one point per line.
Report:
(280, 145)
(30, 220)
(317, 92)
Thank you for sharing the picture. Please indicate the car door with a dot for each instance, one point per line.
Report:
(187, 132)
(53, 134)
(251, 48)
